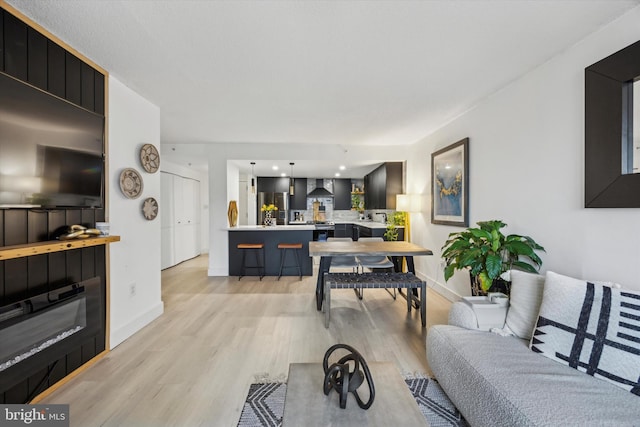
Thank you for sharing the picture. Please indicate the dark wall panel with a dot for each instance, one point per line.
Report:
(74, 360)
(88, 87)
(38, 273)
(1, 50)
(74, 265)
(55, 69)
(37, 59)
(57, 269)
(57, 220)
(99, 92)
(88, 263)
(15, 227)
(16, 280)
(15, 45)
(38, 229)
(73, 91)
(73, 216)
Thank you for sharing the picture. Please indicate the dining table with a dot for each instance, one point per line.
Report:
(397, 250)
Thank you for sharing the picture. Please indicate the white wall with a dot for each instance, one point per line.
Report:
(133, 121)
(527, 168)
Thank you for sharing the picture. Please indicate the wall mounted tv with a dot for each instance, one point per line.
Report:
(51, 151)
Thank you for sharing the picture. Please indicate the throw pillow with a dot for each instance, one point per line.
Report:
(592, 328)
(524, 302)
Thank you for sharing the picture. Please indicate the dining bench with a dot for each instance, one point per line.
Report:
(375, 280)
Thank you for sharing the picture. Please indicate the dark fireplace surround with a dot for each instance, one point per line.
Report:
(46, 327)
(67, 287)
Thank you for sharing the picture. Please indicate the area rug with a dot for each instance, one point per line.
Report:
(264, 406)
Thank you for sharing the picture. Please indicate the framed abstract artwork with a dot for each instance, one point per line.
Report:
(450, 185)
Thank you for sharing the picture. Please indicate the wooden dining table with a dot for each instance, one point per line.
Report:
(396, 250)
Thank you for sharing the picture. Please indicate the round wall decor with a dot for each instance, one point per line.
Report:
(150, 158)
(150, 208)
(131, 183)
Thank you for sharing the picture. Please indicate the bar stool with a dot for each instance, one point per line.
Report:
(258, 249)
(295, 247)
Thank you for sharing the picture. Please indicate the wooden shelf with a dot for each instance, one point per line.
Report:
(29, 249)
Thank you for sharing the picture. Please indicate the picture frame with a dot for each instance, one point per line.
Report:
(450, 185)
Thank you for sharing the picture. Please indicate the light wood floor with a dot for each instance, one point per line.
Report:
(193, 365)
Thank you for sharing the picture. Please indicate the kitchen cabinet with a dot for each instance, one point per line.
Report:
(342, 194)
(382, 185)
(298, 202)
(364, 231)
(268, 184)
(343, 230)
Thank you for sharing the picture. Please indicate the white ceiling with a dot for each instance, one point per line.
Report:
(317, 72)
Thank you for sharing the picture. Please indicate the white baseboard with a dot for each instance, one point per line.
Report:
(118, 336)
(220, 271)
(439, 288)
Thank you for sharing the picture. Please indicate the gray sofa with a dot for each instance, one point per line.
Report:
(497, 380)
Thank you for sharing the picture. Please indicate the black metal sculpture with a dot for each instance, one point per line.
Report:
(339, 377)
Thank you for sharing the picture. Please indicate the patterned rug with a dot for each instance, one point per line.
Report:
(264, 406)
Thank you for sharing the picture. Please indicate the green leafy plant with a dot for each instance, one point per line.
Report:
(394, 221)
(488, 253)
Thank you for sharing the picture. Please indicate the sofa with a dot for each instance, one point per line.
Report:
(517, 375)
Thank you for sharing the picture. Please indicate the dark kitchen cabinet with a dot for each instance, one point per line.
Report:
(382, 185)
(298, 202)
(343, 230)
(363, 231)
(273, 185)
(266, 184)
(342, 194)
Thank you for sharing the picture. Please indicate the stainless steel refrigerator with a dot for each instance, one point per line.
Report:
(280, 200)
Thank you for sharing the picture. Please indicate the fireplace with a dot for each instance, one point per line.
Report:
(45, 327)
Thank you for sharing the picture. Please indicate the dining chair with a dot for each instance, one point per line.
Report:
(376, 262)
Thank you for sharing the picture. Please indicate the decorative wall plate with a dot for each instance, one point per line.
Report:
(150, 158)
(131, 183)
(150, 208)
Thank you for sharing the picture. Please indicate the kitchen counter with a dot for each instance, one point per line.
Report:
(270, 237)
(273, 227)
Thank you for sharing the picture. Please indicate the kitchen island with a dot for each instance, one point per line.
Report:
(271, 237)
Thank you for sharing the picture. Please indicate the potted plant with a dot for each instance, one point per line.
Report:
(488, 253)
(395, 220)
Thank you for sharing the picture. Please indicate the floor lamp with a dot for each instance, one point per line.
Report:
(407, 203)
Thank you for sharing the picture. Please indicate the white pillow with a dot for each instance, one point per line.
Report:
(592, 328)
(524, 303)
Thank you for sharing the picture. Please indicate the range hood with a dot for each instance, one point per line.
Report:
(320, 191)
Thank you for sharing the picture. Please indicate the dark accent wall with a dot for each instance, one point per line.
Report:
(31, 57)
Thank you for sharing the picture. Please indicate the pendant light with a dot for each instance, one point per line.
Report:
(292, 186)
(253, 180)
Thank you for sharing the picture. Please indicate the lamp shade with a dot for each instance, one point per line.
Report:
(408, 202)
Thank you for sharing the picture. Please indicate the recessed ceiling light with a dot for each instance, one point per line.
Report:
(283, 174)
(342, 167)
(337, 173)
(274, 167)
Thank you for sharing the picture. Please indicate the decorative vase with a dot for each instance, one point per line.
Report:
(498, 285)
(232, 213)
(268, 219)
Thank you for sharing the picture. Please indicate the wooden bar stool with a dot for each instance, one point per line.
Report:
(283, 254)
(258, 249)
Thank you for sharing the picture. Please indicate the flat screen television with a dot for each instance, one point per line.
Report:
(51, 151)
